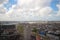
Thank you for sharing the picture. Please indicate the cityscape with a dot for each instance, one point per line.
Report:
(33, 30)
(29, 19)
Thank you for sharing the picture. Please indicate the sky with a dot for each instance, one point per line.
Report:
(29, 10)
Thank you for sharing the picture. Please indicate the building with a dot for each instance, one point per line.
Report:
(8, 31)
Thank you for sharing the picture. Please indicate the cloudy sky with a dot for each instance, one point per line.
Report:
(29, 10)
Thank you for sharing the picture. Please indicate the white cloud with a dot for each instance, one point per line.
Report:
(3, 1)
(58, 12)
(3, 10)
(45, 12)
(29, 14)
(27, 10)
(22, 2)
(33, 3)
(58, 6)
(3, 15)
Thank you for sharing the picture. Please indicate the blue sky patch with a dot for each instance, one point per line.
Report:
(53, 5)
(10, 3)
